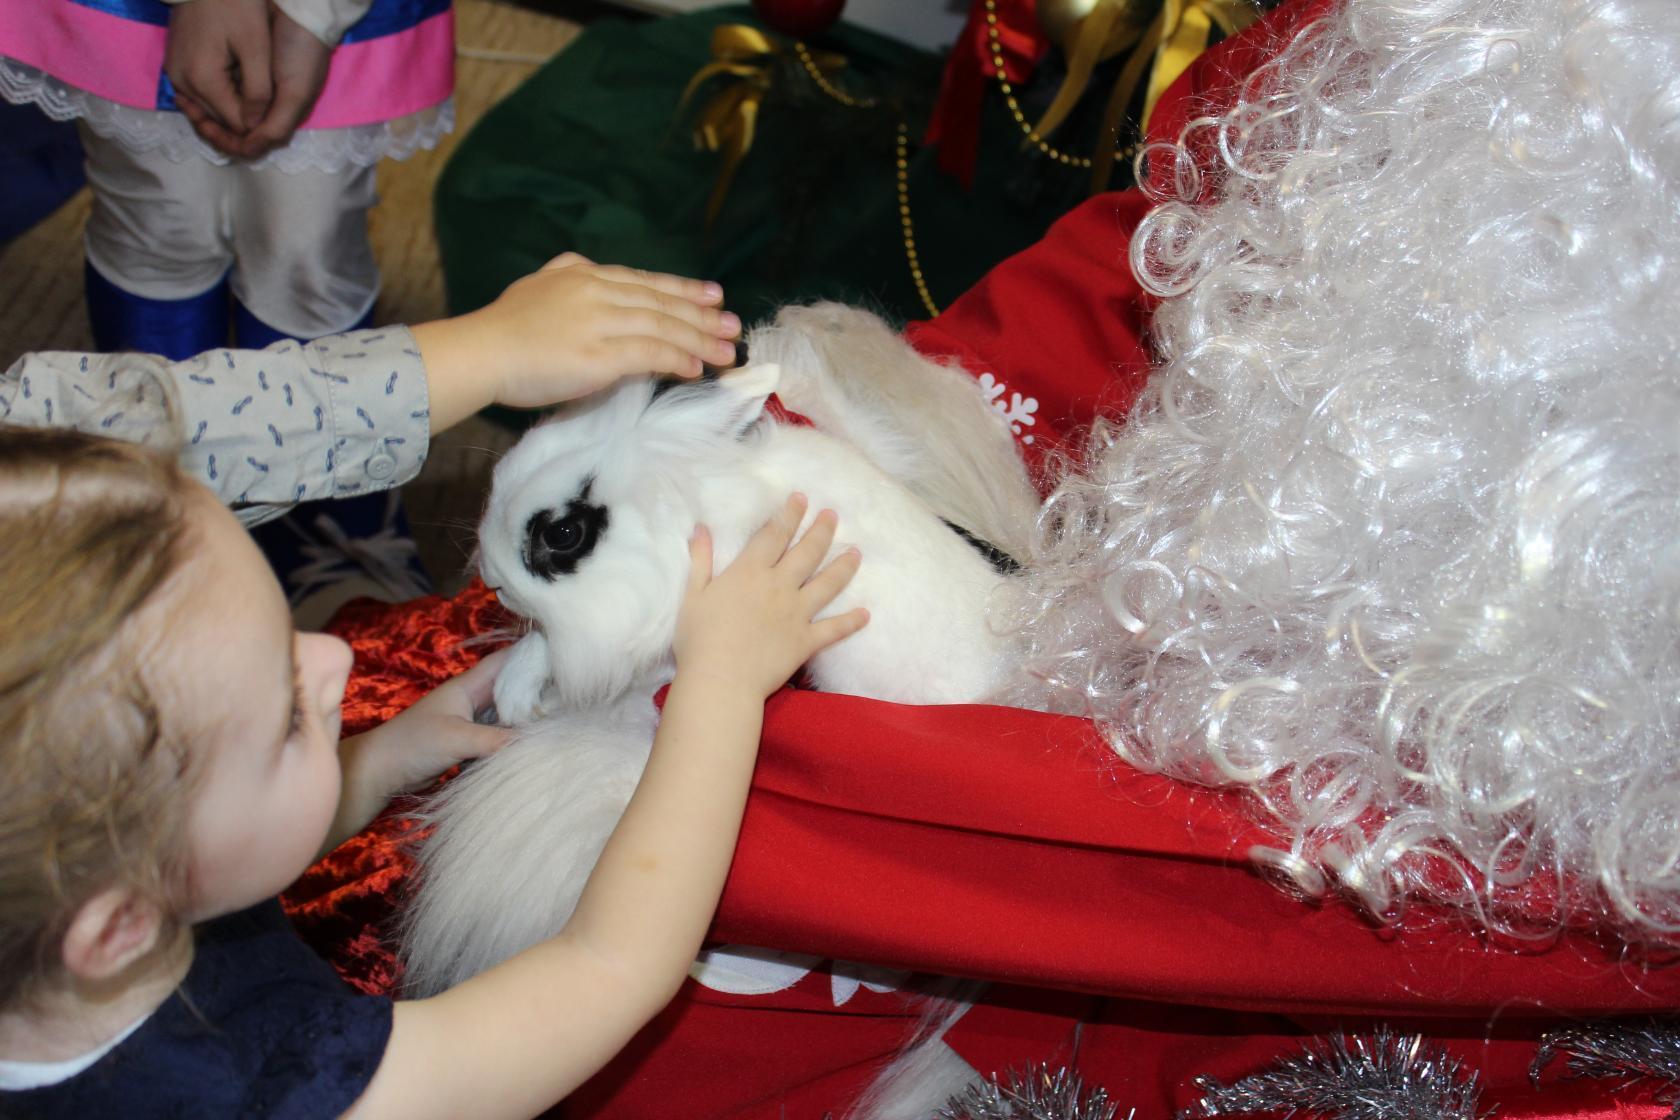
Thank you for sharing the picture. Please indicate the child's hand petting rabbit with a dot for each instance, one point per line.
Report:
(416, 745)
(568, 329)
(752, 625)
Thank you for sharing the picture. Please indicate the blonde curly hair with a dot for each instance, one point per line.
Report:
(90, 530)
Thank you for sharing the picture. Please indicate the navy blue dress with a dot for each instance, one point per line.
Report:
(261, 1028)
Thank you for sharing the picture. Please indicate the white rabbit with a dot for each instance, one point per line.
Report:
(586, 535)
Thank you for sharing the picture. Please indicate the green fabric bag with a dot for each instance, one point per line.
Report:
(589, 155)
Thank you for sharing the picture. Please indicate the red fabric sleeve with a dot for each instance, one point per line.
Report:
(1062, 322)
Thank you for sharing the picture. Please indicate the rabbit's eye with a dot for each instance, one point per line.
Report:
(556, 541)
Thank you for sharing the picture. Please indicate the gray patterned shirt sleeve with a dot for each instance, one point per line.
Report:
(263, 429)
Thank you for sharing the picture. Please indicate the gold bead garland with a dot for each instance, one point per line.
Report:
(1008, 88)
(907, 224)
(804, 55)
(902, 157)
(901, 166)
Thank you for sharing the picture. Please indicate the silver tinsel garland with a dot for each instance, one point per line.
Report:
(1038, 1094)
(1385, 1077)
(1630, 1049)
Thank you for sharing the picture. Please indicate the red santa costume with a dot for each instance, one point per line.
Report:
(1118, 915)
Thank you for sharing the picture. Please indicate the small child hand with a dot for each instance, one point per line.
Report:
(568, 329)
(299, 64)
(753, 624)
(217, 58)
(435, 732)
(576, 326)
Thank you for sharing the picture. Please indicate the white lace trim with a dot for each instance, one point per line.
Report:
(320, 149)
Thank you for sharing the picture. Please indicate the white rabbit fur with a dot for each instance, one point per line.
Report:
(517, 834)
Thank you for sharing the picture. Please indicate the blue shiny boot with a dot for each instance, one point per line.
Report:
(174, 328)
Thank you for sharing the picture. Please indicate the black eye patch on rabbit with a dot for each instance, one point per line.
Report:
(556, 545)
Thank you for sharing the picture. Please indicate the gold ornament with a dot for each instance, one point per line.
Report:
(728, 122)
(1059, 18)
(1163, 38)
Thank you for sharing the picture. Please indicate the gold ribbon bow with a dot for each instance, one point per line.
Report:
(1171, 40)
(728, 121)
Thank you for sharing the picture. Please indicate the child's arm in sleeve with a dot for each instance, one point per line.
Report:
(515, 1039)
(351, 413)
(263, 429)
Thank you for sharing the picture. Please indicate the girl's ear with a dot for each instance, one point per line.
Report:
(726, 405)
(111, 930)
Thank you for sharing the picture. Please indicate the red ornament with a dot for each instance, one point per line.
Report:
(799, 19)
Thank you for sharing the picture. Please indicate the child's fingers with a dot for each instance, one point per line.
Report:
(766, 546)
(826, 631)
(822, 589)
(291, 104)
(713, 321)
(806, 554)
(478, 683)
(212, 87)
(699, 559)
(190, 108)
(567, 259)
(256, 87)
(209, 129)
(620, 356)
(481, 739)
(636, 322)
(699, 291)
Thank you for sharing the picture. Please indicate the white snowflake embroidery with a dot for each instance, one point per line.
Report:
(1017, 410)
(745, 971)
(846, 977)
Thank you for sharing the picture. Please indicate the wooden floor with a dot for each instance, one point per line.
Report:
(498, 45)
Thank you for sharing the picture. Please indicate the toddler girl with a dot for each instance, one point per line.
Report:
(172, 762)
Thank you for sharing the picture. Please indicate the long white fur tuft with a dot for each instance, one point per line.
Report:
(925, 424)
(516, 836)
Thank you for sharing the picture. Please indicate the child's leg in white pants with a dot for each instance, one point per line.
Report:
(293, 245)
(158, 250)
(302, 263)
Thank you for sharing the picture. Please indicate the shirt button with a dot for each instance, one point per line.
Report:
(382, 466)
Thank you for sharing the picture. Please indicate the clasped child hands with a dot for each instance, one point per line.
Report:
(245, 73)
(752, 625)
(217, 56)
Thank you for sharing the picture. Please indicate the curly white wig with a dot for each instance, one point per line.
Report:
(1392, 540)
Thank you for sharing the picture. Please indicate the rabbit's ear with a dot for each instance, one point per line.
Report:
(727, 404)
